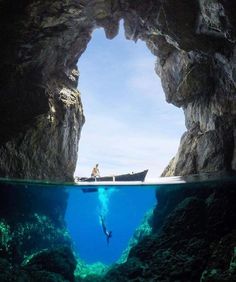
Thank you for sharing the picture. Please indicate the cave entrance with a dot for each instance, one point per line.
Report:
(127, 118)
(127, 123)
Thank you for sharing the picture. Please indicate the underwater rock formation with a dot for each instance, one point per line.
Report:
(60, 262)
(41, 110)
(193, 238)
(31, 220)
(34, 242)
(143, 230)
(57, 265)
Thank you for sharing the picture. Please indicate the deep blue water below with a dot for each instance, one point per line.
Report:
(122, 209)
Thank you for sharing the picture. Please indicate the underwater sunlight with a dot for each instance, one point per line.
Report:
(122, 210)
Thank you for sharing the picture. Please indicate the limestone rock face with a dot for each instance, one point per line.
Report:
(40, 107)
(41, 110)
(195, 48)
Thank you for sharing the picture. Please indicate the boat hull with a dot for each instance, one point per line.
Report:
(139, 176)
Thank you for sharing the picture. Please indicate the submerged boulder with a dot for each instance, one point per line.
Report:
(58, 264)
(31, 219)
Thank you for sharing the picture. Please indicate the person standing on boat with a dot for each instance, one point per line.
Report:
(95, 172)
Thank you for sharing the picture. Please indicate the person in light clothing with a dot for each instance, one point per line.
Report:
(95, 172)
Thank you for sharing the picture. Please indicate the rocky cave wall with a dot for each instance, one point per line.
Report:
(41, 109)
(194, 45)
(42, 116)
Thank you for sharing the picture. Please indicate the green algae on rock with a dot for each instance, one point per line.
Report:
(84, 270)
(143, 230)
(5, 236)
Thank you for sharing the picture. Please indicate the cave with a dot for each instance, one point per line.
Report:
(42, 118)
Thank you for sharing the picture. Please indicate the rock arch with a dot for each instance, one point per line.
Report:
(41, 110)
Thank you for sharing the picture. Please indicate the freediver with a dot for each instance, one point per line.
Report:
(107, 233)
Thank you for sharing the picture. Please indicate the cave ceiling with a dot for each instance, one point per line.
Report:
(40, 105)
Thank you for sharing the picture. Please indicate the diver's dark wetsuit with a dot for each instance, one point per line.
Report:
(107, 233)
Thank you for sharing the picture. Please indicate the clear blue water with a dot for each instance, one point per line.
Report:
(123, 210)
(122, 206)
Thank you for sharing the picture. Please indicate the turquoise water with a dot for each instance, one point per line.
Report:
(122, 207)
